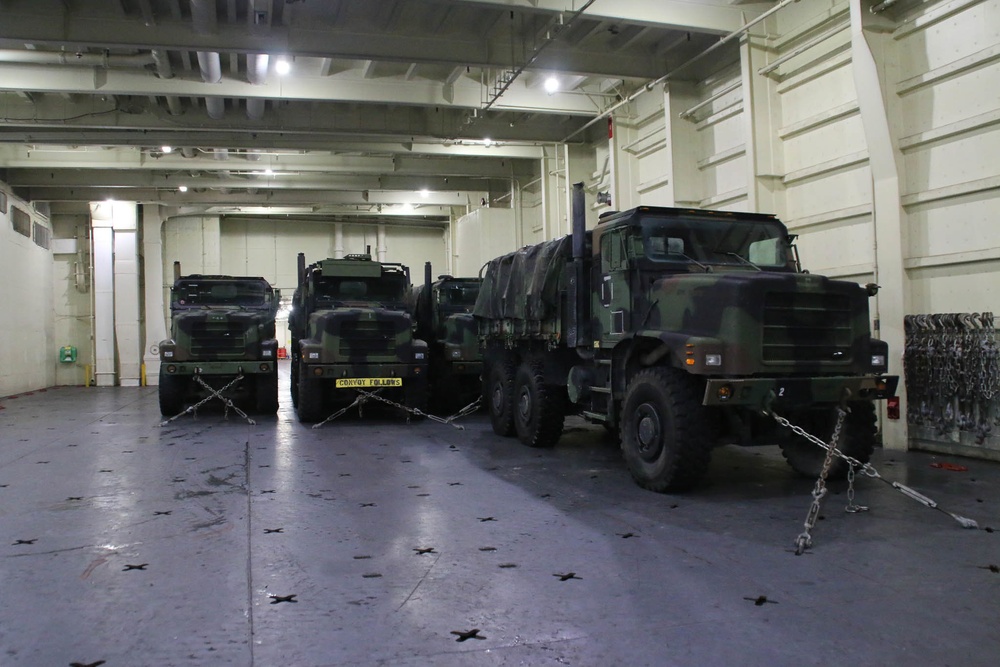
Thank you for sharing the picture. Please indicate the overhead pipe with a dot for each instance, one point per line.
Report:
(671, 74)
(257, 64)
(104, 60)
(205, 22)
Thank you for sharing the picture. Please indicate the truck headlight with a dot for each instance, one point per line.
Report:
(878, 361)
(418, 355)
(267, 353)
(314, 355)
(713, 359)
(168, 354)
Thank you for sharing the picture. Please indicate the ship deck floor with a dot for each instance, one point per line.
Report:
(207, 541)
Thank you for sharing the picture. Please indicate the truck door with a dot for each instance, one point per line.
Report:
(612, 298)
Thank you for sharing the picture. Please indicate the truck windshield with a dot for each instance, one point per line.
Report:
(759, 243)
(250, 293)
(458, 294)
(388, 288)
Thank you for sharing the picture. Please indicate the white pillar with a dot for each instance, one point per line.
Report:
(380, 248)
(116, 294)
(761, 121)
(874, 64)
(103, 238)
(338, 240)
(156, 314)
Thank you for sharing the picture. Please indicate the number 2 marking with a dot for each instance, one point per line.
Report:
(781, 391)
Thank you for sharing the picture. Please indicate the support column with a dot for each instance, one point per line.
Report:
(682, 146)
(103, 238)
(874, 62)
(338, 240)
(762, 119)
(624, 167)
(380, 248)
(116, 294)
(155, 310)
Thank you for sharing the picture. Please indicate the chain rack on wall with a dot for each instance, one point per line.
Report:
(952, 372)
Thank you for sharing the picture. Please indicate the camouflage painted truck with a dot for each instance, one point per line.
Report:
(678, 328)
(221, 328)
(442, 312)
(350, 330)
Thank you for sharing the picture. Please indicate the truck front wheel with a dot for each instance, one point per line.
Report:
(498, 394)
(539, 410)
(294, 380)
(267, 393)
(172, 390)
(310, 406)
(664, 431)
(857, 438)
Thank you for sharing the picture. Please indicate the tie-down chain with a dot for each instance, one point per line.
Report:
(804, 540)
(213, 393)
(364, 396)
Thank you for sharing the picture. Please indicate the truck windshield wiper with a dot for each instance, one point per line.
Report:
(744, 260)
(707, 268)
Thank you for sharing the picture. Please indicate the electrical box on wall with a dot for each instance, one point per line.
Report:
(67, 354)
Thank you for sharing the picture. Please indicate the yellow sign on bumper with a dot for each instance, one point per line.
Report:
(364, 383)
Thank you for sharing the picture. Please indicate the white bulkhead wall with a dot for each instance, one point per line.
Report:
(29, 353)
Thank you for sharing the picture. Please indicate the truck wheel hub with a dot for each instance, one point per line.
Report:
(648, 432)
(524, 405)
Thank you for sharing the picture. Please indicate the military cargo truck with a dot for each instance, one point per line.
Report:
(221, 328)
(350, 329)
(442, 312)
(677, 328)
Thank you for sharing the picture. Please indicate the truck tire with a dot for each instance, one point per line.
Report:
(294, 380)
(664, 431)
(539, 409)
(498, 395)
(310, 407)
(172, 390)
(857, 439)
(267, 393)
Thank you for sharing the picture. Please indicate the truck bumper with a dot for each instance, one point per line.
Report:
(763, 392)
(338, 371)
(234, 368)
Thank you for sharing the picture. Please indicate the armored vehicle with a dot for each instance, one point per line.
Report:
(350, 330)
(442, 311)
(678, 328)
(221, 329)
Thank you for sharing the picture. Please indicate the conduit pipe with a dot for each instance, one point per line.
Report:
(104, 60)
(205, 22)
(671, 74)
(257, 75)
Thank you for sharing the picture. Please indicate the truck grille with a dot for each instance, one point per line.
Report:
(218, 340)
(367, 338)
(802, 326)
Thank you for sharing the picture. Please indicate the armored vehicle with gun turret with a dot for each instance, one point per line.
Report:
(679, 329)
(351, 331)
(221, 336)
(442, 312)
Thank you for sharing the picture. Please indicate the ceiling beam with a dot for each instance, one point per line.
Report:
(20, 157)
(717, 17)
(467, 94)
(440, 189)
(76, 29)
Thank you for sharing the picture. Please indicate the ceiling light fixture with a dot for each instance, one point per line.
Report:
(487, 142)
(282, 67)
(551, 85)
(425, 193)
(167, 149)
(182, 188)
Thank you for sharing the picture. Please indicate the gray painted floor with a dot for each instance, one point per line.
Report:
(134, 544)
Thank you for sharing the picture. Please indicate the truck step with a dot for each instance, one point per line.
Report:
(600, 390)
(596, 416)
(603, 362)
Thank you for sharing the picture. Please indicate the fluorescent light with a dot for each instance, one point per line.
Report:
(551, 85)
